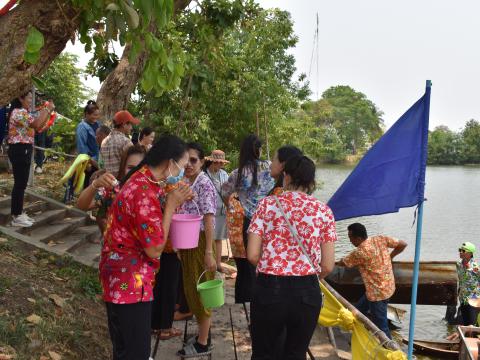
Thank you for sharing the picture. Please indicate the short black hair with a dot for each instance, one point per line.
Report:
(145, 132)
(358, 230)
(198, 147)
(104, 129)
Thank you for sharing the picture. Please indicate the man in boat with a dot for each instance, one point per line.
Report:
(468, 283)
(374, 260)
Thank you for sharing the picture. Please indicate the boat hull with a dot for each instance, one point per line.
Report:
(437, 283)
(442, 350)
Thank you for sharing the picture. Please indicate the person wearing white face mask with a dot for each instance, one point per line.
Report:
(134, 239)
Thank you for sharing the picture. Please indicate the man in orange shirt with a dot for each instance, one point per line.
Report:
(374, 260)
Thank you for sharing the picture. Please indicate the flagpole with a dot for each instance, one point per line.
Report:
(418, 240)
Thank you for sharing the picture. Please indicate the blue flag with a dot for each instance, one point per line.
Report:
(391, 175)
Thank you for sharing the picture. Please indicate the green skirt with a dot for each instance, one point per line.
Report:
(193, 265)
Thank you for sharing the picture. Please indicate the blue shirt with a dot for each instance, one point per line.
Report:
(86, 140)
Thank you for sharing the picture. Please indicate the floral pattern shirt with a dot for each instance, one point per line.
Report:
(234, 219)
(204, 196)
(218, 179)
(372, 257)
(248, 194)
(134, 223)
(468, 281)
(19, 130)
(281, 254)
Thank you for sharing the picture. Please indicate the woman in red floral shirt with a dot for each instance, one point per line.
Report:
(287, 295)
(134, 240)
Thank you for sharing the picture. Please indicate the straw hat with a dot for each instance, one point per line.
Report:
(217, 156)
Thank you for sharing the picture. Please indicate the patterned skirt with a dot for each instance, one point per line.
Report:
(193, 265)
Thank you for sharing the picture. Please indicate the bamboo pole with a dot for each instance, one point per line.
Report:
(369, 325)
(258, 124)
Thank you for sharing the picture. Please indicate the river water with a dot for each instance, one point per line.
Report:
(451, 216)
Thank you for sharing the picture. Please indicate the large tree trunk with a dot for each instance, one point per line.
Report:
(56, 20)
(119, 85)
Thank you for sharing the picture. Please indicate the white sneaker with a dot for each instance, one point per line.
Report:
(18, 221)
(27, 218)
(38, 170)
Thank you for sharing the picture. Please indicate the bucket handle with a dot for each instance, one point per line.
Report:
(198, 281)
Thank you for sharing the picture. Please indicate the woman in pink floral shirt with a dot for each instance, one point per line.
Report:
(287, 296)
(134, 239)
(21, 132)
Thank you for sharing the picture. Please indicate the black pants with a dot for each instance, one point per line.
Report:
(165, 292)
(39, 156)
(469, 314)
(246, 275)
(284, 303)
(130, 332)
(20, 156)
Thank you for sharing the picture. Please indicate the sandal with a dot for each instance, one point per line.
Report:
(169, 333)
(194, 350)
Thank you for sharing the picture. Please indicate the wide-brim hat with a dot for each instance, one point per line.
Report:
(217, 156)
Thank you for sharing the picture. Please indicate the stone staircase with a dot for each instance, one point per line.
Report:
(58, 228)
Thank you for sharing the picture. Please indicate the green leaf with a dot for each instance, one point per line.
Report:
(39, 84)
(179, 70)
(161, 81)
(157, 46)
(149, 41)
(135, 50)
(147, 84)
(31, 58)
(170, 65)
(35, 40)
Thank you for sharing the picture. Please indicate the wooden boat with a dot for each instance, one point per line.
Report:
(469, 342)
(438, 349)
(395, 316)
(437, 283)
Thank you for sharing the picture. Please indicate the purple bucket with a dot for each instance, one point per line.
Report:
(185, 230)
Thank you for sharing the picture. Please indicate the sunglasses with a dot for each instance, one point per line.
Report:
(461, 250)
(193, 160)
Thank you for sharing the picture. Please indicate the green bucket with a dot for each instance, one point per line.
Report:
(211, 292)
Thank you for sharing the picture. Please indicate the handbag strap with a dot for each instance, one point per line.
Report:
(294, 233)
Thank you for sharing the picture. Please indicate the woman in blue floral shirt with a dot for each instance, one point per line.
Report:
(252, 182)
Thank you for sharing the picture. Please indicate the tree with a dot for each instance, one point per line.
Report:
(62, 83)
(36, 31)
(237, 68)
(357, 120)
(471, 140)
(444, 147)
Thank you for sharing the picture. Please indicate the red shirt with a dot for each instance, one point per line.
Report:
(281, 254)
(134, 223)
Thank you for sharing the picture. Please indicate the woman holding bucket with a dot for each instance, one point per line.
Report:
(134, 240)
(291, 241)
(201, 258)
(252, 182)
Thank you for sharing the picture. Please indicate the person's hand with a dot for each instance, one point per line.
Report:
(178, 196)
(106, 180)
(50, 106)
(210, 263)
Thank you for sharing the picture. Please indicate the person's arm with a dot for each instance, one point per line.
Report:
(254, 249)
(42, 118)
(174, 200)
(398, 246)
(328, 259)
(86, 200)
(82, 136)
(210, 263)
(355, 258)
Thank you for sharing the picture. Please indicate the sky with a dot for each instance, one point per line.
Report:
(387, 50)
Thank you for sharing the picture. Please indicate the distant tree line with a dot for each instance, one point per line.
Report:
(447, 147)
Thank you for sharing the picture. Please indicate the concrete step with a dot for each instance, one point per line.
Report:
(44, 218)
(31, 208)
(75, 239)
(87, 254)
(57, 230)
